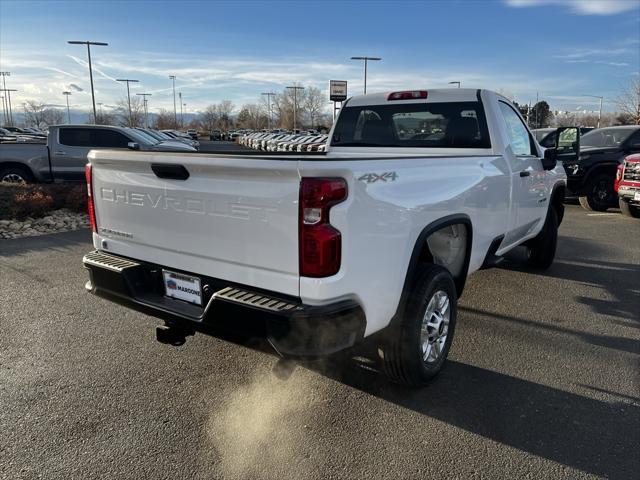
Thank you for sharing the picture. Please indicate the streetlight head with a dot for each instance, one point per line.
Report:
(66, 93)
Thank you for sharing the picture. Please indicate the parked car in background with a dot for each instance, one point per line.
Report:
(215, 135)
(540, 133)
(591, 177)
(181, 136)
(193, 133)
(166, 140)
(548, 139)
(628, 186)
(64, 156)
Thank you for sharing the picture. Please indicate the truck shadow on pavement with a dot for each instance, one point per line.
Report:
(53, 242)
(619, 281)
(590, 435)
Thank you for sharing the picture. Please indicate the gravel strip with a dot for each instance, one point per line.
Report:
(62, 220)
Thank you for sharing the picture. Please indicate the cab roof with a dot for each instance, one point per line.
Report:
(436, 95)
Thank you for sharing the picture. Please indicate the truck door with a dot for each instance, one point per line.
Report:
(69, 153)
(529, 190)
(69, 156)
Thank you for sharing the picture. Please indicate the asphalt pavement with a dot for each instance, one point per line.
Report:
(542, 382)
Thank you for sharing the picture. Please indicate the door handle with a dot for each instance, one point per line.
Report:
(170, 171)
(59, 152)
(525, 173)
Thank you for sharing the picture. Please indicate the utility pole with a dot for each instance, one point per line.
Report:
(146, 110)
(66, 94)
(88, 44)
(5, 100)
(175, 112)
(295, 89)
(24, 108)
(600, 112)
(181, 115)
(8, 95)
(366, 60)
(127, 81)
(269, 95)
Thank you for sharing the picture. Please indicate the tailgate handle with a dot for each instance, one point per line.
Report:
(173, 172)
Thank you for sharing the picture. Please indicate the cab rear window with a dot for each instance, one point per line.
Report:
(422, 125)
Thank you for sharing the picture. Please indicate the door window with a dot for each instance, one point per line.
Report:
(519, 137)
(75, 137)
(109, 139)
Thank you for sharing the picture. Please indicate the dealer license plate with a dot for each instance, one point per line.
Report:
(182, 287)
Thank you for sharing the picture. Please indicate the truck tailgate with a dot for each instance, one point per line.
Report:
(234, 218)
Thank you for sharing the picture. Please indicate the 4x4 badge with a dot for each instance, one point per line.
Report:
(374, 177)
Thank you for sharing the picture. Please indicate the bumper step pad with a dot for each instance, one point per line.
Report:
(254, 300)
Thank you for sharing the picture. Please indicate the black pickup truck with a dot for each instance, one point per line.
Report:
(591, 176)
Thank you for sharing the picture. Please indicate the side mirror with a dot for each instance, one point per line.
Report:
(550, 159)
(568, 144)
(133, 146)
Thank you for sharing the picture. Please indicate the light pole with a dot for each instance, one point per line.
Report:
(600, 112)
(181, 115)
(175, 112)
(269, 95)
(185, 111)
(24, 108)
(7, 92)
(88, 44)
(66, 94)
(146, 110)
(366, 61)
(4, 113)
(295, 89)
(453, 83)
(5, 99)
(128, 81)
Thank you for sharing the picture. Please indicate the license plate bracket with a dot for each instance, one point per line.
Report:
(182, 287)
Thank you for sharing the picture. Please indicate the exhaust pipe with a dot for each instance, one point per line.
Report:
(172, 335)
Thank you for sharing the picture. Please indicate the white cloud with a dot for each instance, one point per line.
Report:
(583, 7)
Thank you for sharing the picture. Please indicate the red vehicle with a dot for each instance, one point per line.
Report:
(627, 184)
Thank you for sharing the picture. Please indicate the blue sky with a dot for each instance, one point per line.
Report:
(236, 50)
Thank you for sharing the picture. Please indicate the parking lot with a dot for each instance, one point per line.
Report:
(542, 381)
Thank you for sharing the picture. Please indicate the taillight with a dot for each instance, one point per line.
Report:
(408, 95)
(320, 243)
(619, 172)
(90, 206)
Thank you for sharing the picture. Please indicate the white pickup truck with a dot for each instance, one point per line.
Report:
(418, 189)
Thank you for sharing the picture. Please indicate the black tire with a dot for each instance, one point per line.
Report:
(542, 248)
(599, 193)
(628, 210)
(402, 350)
(15, 174)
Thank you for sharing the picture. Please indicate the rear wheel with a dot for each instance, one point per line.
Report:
(628, 210)
(15, 174)
(599, 193)
(542, 248)
(416, 349)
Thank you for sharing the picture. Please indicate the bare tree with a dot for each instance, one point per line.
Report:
(41, 114)
(628, 102)
(104, 118)
(252, 116)
(313, 104)
(208, 119)
(137, 111)
(164, 120)
(225, 111)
